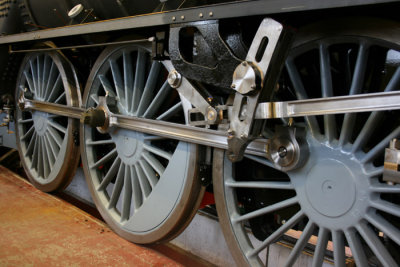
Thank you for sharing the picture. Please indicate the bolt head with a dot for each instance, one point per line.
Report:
(282, 152)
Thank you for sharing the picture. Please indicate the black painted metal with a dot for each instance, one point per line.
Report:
(219, 11)
(199, 53)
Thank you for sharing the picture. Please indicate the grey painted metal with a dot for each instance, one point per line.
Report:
(46, 141)
(329, 105)
(145, 186)
(220, 11)
(339, 191)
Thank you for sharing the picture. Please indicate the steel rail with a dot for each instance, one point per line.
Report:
(232, 9)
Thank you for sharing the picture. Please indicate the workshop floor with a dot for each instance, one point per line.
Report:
(38, 229)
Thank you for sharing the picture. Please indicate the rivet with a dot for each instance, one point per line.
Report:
(173, 18)
(211, 14)
(201, 15)
(182, 17)
(233, 86)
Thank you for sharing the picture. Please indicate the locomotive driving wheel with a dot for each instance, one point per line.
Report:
(46, 142)
(336, 202)
(145, 186)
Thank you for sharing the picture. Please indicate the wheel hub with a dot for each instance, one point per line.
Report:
(129, 145)
(332, 186)
(40, 120)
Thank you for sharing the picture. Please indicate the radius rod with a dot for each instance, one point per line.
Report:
(218, 139)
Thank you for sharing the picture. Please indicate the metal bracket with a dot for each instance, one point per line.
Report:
(203, 55)
(391, 166)
(265, 59)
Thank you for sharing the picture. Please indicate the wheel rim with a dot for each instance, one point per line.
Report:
(144, 186)
(46, 141)
(338, 195)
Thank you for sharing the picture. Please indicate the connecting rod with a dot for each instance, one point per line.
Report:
(217, 138)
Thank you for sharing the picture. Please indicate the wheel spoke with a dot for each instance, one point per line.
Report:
(28, 133)
(30, 145)
(158, 100)
(139, 79)
(300, 244)
(51, 77)
(55, 136)
(95, 98)
(158, 151)
(148, 171)
(118, 83)
(279, 232)
(320, 249)
(46, 160)
(385, 188)
(338, 248)
(106, 85)
(326, 86)
(25, 121)
(31, 85)
(149, 88)
(100, 142)
(376, 117)
(301, 93)
(356, 87)
(62, 96)
(34, 76)
(376, 245)
(262, 161)
(39, 166)
(277, 206)
(386, 206)
(52, 94)
(35, 154)
(170, 112)
(127, 196)
(382, 224)
(128, 78)
(144, 184)
(58, 126)
(119, 182)
(53, 147)
(104, 159)
(356, 248)
(136, 189)
(157, 166)
(256, 184)
(46, 68)
(110, 174)
(380, 148)
(49, 152)
(39, 76)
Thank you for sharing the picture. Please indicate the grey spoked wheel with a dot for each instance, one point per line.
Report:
(144, 186)
(46, 141)
(336, 205)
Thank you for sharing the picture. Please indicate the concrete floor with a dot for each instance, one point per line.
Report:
(38, 229)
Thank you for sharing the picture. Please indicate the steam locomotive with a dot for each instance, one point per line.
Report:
(287, 110)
